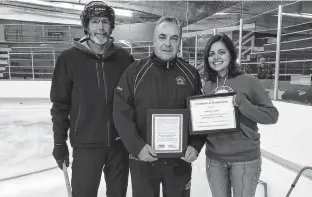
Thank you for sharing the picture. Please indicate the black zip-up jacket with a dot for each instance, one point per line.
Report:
(152, 84)
(82, 92)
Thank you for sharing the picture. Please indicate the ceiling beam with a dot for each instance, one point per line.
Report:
(33, 15)
(158, 8)
(187, 12)
(220, 30)
(44, 11)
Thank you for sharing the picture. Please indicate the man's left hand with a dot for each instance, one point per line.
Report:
(190, 154)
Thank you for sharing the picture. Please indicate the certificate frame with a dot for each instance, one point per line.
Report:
(201, 132)
(152, 114)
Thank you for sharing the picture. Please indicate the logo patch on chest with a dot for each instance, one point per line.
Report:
(180, 80)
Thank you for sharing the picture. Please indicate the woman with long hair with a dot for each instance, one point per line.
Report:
(234, 158)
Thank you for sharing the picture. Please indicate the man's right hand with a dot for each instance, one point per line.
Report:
(147, 154)
(61, 154)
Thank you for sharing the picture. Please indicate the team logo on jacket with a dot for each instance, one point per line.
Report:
(301, 92)
(119, 88)
(180, 80)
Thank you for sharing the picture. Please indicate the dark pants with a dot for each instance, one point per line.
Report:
(174, 176)
(87, 170)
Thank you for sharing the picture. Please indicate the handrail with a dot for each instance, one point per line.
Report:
(265, 187)
(245, 36)
(13, 68)
(250, 48)
(297, 178)
(249, 39)
(296, 49)
(244, 52)
(283, 61)
(289, 41)
(308, 30)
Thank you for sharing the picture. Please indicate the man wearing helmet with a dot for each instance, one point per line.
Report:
(82, 89)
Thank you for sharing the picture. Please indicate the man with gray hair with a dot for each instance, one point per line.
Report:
(82, 91)
(160, 81)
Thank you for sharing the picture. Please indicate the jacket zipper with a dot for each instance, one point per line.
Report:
(104, 80)
(76, 124)
(97, 75)
(108, 133)
(105, 89)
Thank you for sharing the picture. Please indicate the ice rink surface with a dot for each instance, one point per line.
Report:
(26, 147)
(26, 144)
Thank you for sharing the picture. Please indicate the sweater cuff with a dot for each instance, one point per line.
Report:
(137, 147)
(198, 144)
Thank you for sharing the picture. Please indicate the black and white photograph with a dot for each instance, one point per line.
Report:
(146, 98)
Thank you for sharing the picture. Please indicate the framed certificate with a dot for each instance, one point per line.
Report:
(167, 131)
(213, 114)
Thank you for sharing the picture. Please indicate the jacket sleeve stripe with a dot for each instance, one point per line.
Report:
(135, 87)
(135, 81)
(187, 69)
(186, 76)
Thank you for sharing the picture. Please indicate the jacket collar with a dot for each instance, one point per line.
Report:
(81, 44)
(161, 63)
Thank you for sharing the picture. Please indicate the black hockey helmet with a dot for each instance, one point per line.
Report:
(97, 9)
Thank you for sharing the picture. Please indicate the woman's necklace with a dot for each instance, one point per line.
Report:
(223, 82)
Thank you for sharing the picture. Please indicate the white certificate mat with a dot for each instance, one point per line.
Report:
(167, 132)
(212, 113)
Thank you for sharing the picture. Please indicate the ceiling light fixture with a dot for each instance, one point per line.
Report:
(119, 12)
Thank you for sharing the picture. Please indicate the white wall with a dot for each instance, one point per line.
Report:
(25, 89)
